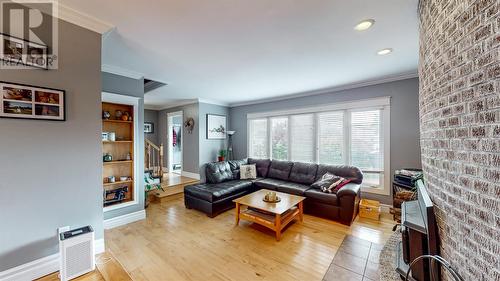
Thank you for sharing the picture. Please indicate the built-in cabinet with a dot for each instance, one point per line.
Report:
(118, 153)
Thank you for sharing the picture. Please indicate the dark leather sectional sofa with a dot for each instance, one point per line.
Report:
(224, 185)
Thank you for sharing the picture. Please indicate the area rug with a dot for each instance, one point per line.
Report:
(387, 260)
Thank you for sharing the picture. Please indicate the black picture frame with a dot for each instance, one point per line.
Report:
(23, 101)
(214, 120)
(151, 128)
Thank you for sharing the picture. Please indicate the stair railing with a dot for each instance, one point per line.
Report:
(153, 158)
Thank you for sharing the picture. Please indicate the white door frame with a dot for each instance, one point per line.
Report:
(170, 115)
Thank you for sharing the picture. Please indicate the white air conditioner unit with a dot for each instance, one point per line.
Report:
(76, 251)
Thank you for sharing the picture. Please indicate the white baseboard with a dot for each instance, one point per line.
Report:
(125, 219)
(41, 267)
(190, 175)
(384, 208)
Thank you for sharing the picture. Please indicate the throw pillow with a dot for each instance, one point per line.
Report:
(330, 183)
(337, 185)
(248, 172)
(325, 181)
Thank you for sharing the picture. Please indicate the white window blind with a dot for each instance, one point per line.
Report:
(302, 138)
(366, 145)
(279, 138)
(258, 139)
(331, 138)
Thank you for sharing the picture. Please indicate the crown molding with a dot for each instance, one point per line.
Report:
(82, 19)
(332, 89)
(121, 71)
(208, 101)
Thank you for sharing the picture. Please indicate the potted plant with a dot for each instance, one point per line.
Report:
(150, 185)
(222, 155)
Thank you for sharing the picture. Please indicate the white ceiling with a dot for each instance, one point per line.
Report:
(236, 51)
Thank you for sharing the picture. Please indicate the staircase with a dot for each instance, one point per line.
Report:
(153, 159)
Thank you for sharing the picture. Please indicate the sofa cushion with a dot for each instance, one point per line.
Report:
(280, 170)
(348, 172)
(268, 183)
(218, 172)
(293, 188)
(235, 167)
(303, 172)
(319, 196)
(219, 191)
(262, 166)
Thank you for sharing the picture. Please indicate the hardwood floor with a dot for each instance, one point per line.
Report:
(107, 269)
(175, 243)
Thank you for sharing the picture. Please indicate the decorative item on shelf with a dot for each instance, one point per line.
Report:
(112, 136)
(105, 136)
(118, 114)
(106, 115)
(222, 155)
(107, 157)
(111, 179)
(128, 157)
(115, 196)
(230, 145)
(189, 125)
(32, 102)
(125, 116)
(123, 178)
(271, 197)
(216, 126)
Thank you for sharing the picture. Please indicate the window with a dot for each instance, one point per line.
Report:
(258, 143)
(302, 138)
(355, 133)
(279, 138)
(331, 138)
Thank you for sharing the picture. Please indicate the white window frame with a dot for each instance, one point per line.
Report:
(382, 103)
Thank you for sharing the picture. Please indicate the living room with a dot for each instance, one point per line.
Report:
(283, 140)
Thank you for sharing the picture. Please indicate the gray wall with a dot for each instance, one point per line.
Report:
(405, 147)
(51, 171)
(152, 116)
(191, 142)
(117, 84)
(209, 149)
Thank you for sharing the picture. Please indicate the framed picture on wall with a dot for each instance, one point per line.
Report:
(31, 102)
(149, 128)
(216, 127)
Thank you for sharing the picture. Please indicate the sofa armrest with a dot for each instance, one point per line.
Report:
(348, 198)
(350, 189)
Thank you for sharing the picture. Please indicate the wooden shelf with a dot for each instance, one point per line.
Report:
(117, 182)
(118, 162)
(121, 148)
(116, 121)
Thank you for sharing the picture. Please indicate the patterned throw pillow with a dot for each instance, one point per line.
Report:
(248, 172)
(330, 183)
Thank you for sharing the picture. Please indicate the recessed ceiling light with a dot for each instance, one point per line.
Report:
(385, 51)
(364, 25)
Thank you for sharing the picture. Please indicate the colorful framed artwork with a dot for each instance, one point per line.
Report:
(31, 102)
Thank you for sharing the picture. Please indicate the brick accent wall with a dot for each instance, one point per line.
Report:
(459, 73)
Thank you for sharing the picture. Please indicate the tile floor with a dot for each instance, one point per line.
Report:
(356, 259)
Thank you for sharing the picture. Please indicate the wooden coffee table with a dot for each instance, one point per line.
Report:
(271, 215)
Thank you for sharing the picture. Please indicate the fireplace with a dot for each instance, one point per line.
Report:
(419, 236)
